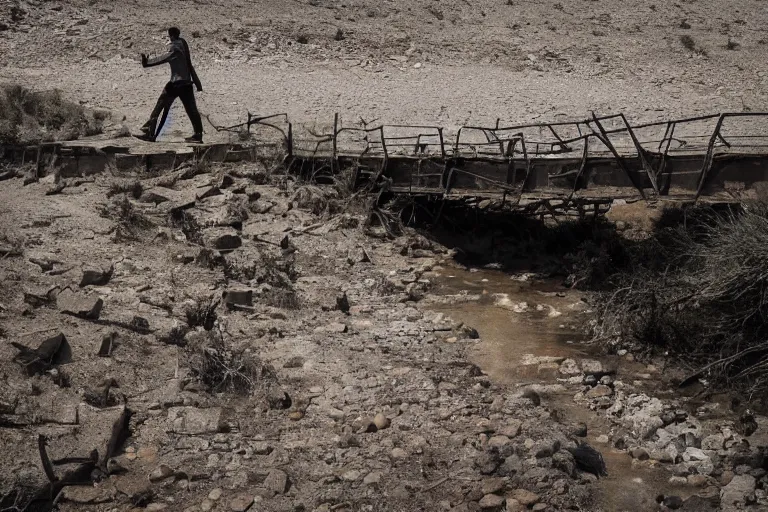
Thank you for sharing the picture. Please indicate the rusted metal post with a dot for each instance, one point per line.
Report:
(641, 154)
(289, 141)
(603, 137)
(709, 158)
(335, 141)
(383, 142)
(456, 144)
(442, 141)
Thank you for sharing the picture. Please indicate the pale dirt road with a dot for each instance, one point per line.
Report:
(448, 96)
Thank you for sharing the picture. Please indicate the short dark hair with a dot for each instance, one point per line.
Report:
(174, 32)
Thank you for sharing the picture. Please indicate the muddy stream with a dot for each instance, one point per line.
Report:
(518, 316)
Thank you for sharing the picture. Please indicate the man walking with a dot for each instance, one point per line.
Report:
(183, 76)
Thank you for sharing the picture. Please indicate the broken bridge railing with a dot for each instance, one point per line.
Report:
(608, 136)
(618, 138)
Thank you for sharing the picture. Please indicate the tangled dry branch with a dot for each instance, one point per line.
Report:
(703, 298)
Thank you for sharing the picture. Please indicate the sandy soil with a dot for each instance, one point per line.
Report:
(446, 63)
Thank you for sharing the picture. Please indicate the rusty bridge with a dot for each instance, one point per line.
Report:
(538, 168)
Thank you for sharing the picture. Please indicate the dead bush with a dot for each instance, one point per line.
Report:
(185, 221)
(31, 117)
(176, 336)
(134, 188)
(700, 301)
(224, 369)
(690, 45)
(130, 222)
(688, 42)
(279, 273)
(317, 199)
(202, 313)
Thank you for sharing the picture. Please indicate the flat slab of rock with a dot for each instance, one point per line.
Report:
(241, 503)
(525, 497)
(103, 428)
(93, 276)
(80, 305)
(334, 327)
(491, 502)
(734, 495)
(194, 421)
(222, 239)
(239, 297)
(276, 482)
(172, 199)
(599, 391)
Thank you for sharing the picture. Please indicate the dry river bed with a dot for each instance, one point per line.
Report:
(228, 338)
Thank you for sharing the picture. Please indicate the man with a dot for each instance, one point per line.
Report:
(180, 86)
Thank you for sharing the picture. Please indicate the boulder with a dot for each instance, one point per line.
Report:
(194, 421)
(96, 276)
(737, 493)
(276, 482)
(83, 306)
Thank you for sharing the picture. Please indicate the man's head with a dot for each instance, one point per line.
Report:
(174, 33)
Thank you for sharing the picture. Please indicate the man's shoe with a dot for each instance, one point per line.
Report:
(147, 137)
(196, 138)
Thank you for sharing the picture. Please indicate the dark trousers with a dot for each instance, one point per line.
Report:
(171, 91)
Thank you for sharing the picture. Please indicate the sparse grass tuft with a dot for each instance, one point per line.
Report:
(280, 274)
(134, 188)
(130, 221)
(224, 369)
(30, 117)
(188, 225)
(202, 313)
(688, 42)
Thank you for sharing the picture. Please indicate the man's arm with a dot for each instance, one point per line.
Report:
(156, 61)
(192, 71)
(195, 79)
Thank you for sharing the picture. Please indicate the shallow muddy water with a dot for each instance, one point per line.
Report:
(518, 317)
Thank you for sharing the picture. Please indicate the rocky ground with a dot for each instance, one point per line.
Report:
(256, 351)
(232, 339)
(242, 341)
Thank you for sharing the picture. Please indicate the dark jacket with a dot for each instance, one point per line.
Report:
(182, 71)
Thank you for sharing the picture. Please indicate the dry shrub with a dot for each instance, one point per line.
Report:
(224, 369)
(202, 313)
(704, 300)
(30, 117)
(188, 224)
(130, 221)
(176, 336)
(688, 42)
(283, 298)
(279, 274)
(134, 188)
(332, 195)
(316, 199)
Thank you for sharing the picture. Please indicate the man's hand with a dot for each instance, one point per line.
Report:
(144, 59)
(199, 88)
